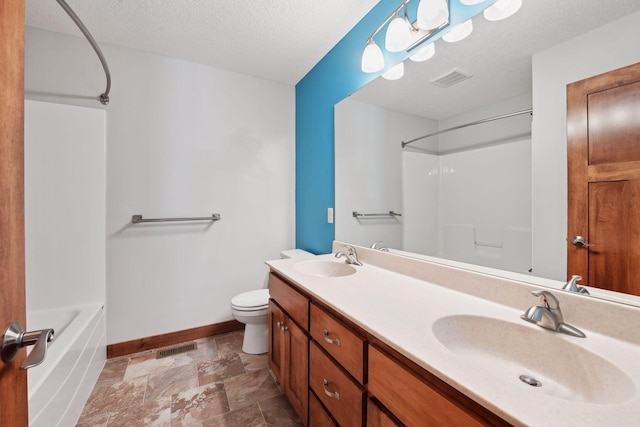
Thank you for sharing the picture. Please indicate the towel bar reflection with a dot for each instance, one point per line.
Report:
(357, 214)
(137, 219)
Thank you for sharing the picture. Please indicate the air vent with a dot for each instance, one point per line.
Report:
(453, 77)
(172, 351)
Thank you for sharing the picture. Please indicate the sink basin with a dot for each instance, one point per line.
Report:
(550, 364)
(324, 268)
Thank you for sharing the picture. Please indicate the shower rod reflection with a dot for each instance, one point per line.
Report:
(477, 122)
(104, 97)
(138, 219)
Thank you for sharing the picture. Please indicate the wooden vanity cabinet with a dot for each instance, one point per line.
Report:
(416, 402)
(376, 417)
(328, 366)
(289, 343)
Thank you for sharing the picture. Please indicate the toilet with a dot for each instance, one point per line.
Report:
(251, 308)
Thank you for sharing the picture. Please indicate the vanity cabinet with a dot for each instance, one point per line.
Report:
(289, 343)
(416, 401)
(336, 374)
(376, 417)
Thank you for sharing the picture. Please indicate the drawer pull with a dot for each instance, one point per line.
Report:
(335, 341)
(334, 394)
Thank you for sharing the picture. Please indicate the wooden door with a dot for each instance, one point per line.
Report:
(13, 381)
(603, 147)
(296, 382)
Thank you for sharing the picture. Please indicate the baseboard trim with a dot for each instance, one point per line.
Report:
(171, 338)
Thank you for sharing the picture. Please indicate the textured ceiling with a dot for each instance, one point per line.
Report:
(279, 40)
(497, 54)
(282, 40)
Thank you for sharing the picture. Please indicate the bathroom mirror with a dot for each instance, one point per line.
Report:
(475, 184)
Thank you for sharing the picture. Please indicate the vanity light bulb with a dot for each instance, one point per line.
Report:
(395, 72)
(423, 53)
(432, 14)
(502, 9)
(372, 58)
(398, 35)
(471, 2)
(459, 32)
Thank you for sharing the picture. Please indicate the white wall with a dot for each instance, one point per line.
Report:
(183, 139)
(65, 196)
(369, 170)
(604, 49)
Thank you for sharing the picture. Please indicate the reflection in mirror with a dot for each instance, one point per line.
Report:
(464, 195)
(467, 195)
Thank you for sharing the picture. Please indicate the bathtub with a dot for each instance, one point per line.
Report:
(60, 386)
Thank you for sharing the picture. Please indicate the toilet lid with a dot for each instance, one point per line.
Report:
(251, 299)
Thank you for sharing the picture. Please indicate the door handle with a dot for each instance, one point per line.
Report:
(580, 242)
(15, 338)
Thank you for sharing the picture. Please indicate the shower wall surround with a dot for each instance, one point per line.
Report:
(183, 139)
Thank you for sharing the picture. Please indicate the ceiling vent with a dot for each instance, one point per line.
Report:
(453, 77)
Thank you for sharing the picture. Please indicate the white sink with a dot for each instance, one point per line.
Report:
(508, 350)
(325, 268)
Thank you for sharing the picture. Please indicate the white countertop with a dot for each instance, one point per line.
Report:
(400, 310)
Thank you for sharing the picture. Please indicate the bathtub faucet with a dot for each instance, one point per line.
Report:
(351, 256)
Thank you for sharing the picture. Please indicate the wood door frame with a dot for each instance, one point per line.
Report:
(580, 173)
(13, 381)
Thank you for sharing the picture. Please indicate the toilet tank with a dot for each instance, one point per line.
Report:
(296, 253)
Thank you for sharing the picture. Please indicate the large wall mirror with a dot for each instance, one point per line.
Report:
(472, 195)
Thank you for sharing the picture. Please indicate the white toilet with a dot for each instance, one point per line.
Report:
(251, 308)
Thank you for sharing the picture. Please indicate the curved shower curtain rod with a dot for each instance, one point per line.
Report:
(104, 97)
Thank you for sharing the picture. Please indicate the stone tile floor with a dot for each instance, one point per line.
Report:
(215, 385)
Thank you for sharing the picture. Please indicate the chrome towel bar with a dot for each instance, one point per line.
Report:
(357, 214)
(137, 219)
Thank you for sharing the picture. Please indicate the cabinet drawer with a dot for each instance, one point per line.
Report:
(339, 341)
(318, 417)
(293, 302)
(410, 399)
(340, 394)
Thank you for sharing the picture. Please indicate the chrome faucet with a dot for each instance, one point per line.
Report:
(378, 245)
(351, 256)
(547, 314)
(572, 286)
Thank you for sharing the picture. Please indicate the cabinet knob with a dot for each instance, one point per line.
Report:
(333, 394)
(334, 341)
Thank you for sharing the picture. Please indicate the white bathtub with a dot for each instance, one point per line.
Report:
(60, 386)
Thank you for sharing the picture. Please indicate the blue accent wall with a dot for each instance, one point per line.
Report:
(335, 77)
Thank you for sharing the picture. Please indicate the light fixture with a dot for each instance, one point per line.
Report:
(471, 2)
(398, 34)
(395, 72)
(432, 14)
(502, 9)
(372, 58)
(423, 53)
(459, 32)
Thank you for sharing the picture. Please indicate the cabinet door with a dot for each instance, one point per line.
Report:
(377, 418)
(276, 340)
(318, 417)
(296, 382)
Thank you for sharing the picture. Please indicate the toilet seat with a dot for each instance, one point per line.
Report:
(255, 300)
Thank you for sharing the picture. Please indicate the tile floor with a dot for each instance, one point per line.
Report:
(215, 385)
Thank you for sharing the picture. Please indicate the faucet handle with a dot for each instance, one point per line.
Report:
(547, 299)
